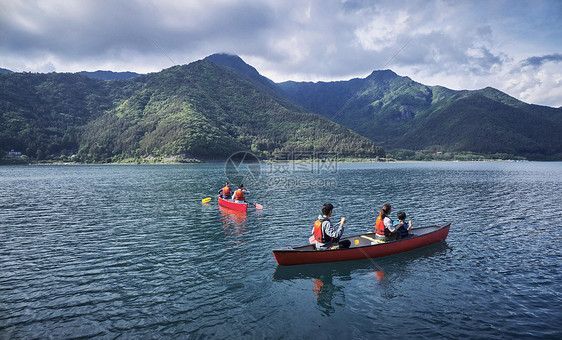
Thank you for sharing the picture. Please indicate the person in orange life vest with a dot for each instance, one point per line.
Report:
(225, 192)
(384, 227)
(239, 194)
(326, 234)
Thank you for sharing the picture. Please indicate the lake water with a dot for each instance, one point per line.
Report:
(130, 251)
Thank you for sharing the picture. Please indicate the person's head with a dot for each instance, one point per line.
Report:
(385, 211)
(327, 209)
(227, 184)
(240, 186)
(401, 215)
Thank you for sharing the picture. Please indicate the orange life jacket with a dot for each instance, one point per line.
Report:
(379, 227)
(239, 195)
(226, 191)
(319, 235)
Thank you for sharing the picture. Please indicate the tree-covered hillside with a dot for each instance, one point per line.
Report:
(199, 110)
(399, 113)
(204, 110)
(214, 107)
(42, 114)
(109, 75)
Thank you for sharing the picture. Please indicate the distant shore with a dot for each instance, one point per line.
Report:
(338, 160)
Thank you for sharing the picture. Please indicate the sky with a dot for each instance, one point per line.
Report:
(514, 46)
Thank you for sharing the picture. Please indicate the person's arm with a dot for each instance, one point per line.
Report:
(331, 230)
(388, 225)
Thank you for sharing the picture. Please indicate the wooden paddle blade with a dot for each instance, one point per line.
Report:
(258, 206)
(205, 200)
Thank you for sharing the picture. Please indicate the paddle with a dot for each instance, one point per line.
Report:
(205, 200)
(258, 206)
(372, 239)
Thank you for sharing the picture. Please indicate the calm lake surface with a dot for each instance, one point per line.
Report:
(130, 251)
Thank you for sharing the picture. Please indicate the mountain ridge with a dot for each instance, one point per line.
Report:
(108, 120)
(200, 110)
(109, 75)
(395, 111)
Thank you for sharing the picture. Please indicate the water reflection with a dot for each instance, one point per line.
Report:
(325, 277)
(234, 225)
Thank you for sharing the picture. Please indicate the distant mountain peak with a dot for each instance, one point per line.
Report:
(383, 75)
(232, 61)
(3, 70)
(225, 57)
(236, 63)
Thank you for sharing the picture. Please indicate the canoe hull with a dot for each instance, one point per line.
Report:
(232, 205)
(362, 247)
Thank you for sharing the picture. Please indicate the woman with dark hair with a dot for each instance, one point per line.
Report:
(384, 228)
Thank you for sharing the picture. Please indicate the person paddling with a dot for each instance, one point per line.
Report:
(384, 228)
(326, 234)
(239, 194)
(225, 192)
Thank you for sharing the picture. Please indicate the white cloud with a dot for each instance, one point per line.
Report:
(382, 31)
(537, 84)
(455, 44)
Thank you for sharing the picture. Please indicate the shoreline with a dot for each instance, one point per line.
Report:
(342, 161)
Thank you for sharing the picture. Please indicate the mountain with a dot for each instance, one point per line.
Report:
(201, 110)
(208, 111)
(213, 107)
(109, 75)
(236, 63)
(3, 70)
(43, 114)
(399, 113)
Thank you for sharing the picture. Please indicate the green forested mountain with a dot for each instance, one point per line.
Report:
(109, 75)
(399, 113)
(219, 105)
(43, 114)
(201, 110)
(236, 63)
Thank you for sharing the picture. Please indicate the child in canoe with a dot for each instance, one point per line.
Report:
(402, 225)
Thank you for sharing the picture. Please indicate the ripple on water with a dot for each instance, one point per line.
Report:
(130, 251)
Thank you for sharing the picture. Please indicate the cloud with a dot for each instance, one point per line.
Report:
(455, 44)
(539, 61)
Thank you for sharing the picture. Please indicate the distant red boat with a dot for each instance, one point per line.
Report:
(362, 247)
(233, 205)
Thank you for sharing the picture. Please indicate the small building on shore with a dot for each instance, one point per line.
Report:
(13, 154)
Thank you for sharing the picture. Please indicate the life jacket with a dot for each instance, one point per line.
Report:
(239, 195)
(319, 234)
(226, 191)
(379, 226)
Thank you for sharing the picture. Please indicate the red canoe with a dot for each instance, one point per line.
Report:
(232, 205)
(362, 247)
